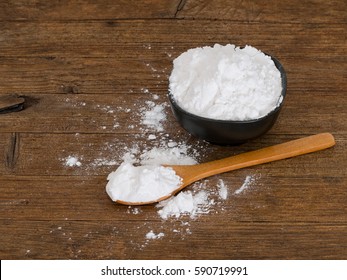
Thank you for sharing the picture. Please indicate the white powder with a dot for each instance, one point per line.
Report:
(172, 144)
(150, 180)
(188, 203)
(177, 155)
(222, 189)
(152, 235)
(72, 161)
(153, 116)
(246, 184)
(226, 82)
(180, 154)
(185, 203)
(134, 210)
(141, 183)
(103, 162)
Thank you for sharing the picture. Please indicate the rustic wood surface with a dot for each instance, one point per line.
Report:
(83, 68)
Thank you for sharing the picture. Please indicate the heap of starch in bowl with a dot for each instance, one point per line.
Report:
(226, 83)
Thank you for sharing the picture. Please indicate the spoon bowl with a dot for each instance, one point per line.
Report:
(193, 173)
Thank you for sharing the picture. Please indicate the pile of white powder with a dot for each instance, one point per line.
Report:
(226, 82)
(148, 180)
(147, 183)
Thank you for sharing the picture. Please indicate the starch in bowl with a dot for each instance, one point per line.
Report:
(226, 94)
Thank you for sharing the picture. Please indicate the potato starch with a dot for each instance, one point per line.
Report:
(141, 183)
(226, 82)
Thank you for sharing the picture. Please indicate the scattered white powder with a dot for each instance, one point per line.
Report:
(152, 137)
(185, 203)
(103, 162)
(226, 82)
(141, 183)
(147, 46)
(177, 155)
(171, 144)
(222, 189)
(134, 210)
(190, 203)
(145, 90)
(153, 116)
(72, 161)
(180, 154)
(130, 155)
(152, 235)
(246, 184)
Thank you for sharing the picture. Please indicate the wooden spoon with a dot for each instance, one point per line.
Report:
(193, 173)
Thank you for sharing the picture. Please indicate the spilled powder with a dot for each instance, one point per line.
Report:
(185, 203)
(152, 235)
(72, 161)
(134, 210)
(168, 155)
(181, 154)
(103, 162)
(222, 189)
(248, 182)
(153, 116)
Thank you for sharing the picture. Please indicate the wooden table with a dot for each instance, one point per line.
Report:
(85, 69)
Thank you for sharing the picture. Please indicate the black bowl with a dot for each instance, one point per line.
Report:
(224, 132)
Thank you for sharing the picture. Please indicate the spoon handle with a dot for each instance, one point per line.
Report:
(277, 152)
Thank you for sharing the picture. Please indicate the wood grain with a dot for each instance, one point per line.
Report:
(114, 240)
(311, 11)
(51, 57)
(86, 9)
(86, 70)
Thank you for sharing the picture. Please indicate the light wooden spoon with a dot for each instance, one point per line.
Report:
(193, 173)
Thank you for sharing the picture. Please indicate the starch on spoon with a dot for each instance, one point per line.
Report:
(141, 183)
(149, 180)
